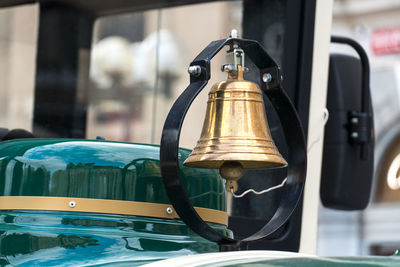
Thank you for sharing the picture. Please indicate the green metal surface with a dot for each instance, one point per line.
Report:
(76, 239)
(119, 171)
(258, 258)
(98, 169)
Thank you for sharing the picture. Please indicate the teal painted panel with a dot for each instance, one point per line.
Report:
(75, 239)
(99, 169)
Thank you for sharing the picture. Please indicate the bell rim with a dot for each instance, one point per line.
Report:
(215, 161)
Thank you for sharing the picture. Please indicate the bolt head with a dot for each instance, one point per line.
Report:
(227, 67)
(194, 70)
(267, 77)
(72, 204)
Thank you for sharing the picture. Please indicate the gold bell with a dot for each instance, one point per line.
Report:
(235, 133)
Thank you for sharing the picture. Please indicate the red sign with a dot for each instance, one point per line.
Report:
(386, 41)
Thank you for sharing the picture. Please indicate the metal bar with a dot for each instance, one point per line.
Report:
(286, 30)
(365, 100)
(105, 206)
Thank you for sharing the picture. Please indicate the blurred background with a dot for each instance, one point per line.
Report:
(138, 66)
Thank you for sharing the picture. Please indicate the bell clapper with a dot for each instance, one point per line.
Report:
(231, 171)
(231, 186)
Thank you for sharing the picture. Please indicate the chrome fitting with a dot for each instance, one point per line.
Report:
(194, 70)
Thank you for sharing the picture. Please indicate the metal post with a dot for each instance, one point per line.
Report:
(286, 30)
(62, 67)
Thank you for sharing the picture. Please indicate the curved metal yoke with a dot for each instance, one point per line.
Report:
(291, 125)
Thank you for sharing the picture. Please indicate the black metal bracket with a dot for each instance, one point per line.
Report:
(293, 131)
(359, 127)
(360, 123)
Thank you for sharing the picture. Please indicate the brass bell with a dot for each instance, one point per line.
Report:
(235, 134)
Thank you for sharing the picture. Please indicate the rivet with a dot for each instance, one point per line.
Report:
(72, 204)
(169, 210)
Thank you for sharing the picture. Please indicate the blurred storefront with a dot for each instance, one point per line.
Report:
(376, 25)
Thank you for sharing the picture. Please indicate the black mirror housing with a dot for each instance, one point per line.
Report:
(346, 176)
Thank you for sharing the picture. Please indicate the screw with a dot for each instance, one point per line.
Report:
(354, 120)
(267, 77)
(169, 210)
(234, 33)
(72, 204)
(194, 70)
(354, 135)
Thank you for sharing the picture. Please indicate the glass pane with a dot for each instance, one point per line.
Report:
(139, 67)
(18, 34)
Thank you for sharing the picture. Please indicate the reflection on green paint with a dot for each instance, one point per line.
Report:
(73, 238)
(98, 169)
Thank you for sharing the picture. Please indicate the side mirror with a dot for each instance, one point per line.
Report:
(348, 156)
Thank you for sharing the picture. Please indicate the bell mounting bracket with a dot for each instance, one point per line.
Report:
(270, 78)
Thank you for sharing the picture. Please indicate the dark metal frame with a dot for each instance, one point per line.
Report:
(294, 53)
(291, 125)
(105, 8)
(62, 67)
